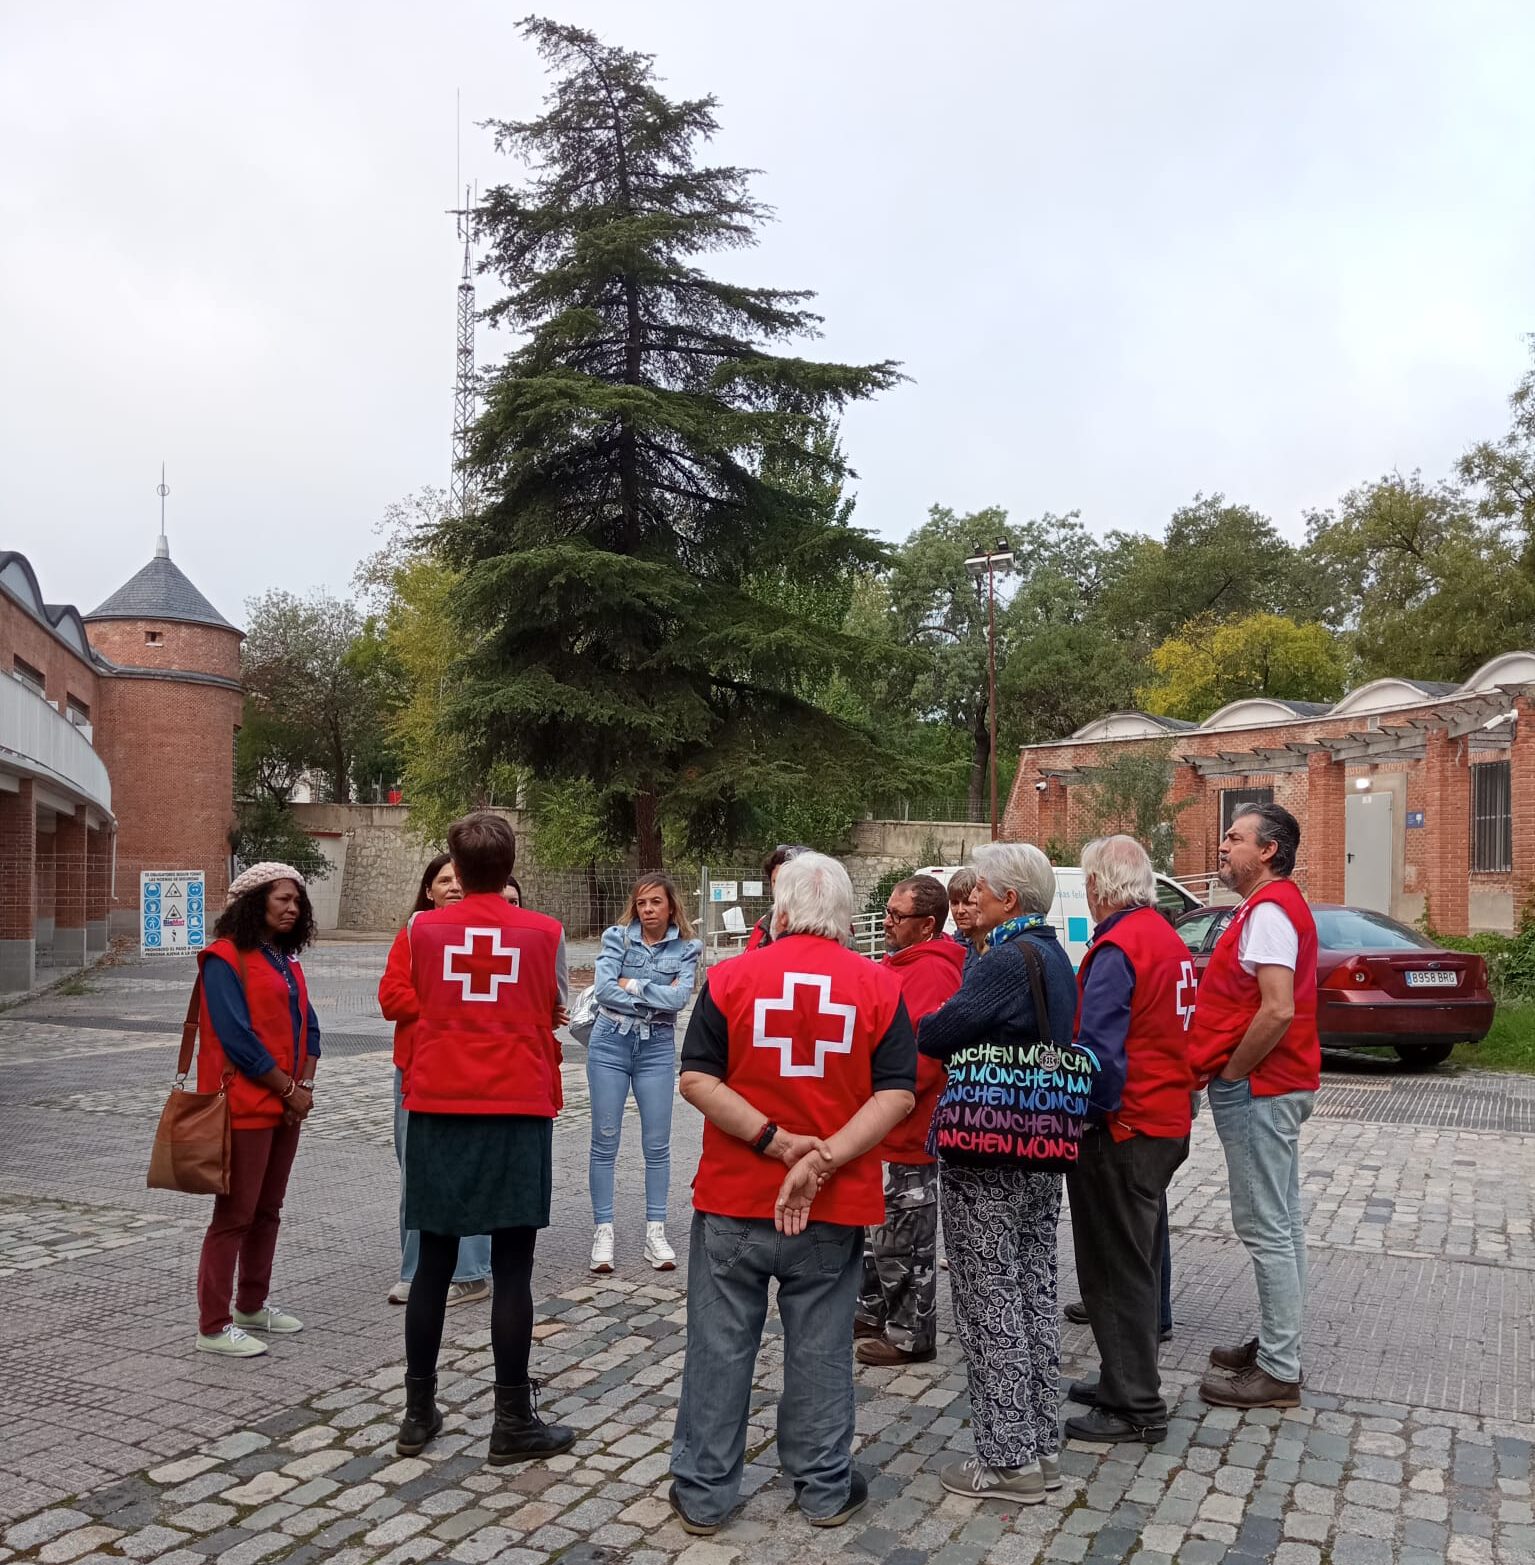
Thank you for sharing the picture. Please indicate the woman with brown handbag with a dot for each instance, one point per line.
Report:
(259, 1034)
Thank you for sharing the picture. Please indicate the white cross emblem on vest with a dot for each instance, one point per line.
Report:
(487, 964)
(1187, 980)
(806, 1022)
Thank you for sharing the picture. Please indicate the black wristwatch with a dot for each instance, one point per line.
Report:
(765, 1140)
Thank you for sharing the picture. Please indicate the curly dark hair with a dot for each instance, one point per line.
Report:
(244, 922)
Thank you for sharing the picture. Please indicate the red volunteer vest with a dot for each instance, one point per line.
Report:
(803, 1015)
(252, 1106)
(1158, 1078)
(1228, 1001)
(928, 974)
(484, 1043)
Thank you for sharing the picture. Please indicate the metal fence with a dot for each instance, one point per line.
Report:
(587, 901)
(955, 807)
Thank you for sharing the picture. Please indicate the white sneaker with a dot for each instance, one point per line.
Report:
(602, 1248)
(657, 1251)
(399, 1294)
(232, 1342)
(468, 1292)
(268, 1318)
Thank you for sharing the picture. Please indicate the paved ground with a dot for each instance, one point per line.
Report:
(1414, 1444)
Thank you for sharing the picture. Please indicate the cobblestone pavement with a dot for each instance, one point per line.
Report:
(1414, 1443)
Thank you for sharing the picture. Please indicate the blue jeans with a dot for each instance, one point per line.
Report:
(615, 1062)
(731, 1261)
(1261, 1139)
(473, 1254)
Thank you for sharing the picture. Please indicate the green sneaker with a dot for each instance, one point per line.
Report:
(231, 1342)
(268, 1318)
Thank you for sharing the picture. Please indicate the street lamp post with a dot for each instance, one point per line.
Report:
(993, 560)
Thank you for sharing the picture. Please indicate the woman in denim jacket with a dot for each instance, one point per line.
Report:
(644, 978)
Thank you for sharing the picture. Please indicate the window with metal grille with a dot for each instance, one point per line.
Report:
(1235, 800)
(1492, 818)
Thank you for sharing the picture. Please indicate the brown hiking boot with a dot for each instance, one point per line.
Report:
(863, 1328)
(885, 1355)
(1233, 1359)
(1249, 1387)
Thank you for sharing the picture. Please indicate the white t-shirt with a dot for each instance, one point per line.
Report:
(1268, 939)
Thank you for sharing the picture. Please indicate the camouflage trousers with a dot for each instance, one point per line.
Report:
(900, 1260)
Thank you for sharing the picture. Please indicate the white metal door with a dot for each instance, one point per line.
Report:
(1367, 873)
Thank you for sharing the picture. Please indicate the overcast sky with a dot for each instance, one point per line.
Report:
(1125, 252)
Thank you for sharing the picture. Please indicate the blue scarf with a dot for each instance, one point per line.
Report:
(1011, 928)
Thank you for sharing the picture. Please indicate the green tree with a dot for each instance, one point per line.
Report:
(266, 829)
(630, 471)
(1216, 561)
(1503, 471)
(1057, 660)
(1130, 794)
(303, 668)
(1209, 663)
(1430, 591)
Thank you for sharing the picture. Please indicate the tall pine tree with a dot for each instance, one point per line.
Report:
(642, 469)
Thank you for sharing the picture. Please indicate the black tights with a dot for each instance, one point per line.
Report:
(511, 1309)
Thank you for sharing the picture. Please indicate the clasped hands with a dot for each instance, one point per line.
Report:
(295, 1110)
(810, 1164)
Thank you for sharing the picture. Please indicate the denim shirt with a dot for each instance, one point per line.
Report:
(665, 972)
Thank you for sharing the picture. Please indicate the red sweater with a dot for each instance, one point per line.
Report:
(484, 976)
(928, 973)
(1155, 1100)
(1229, 1000)
(397, 999)
(252, 1106)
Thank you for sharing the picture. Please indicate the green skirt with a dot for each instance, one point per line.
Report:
(473, 1173)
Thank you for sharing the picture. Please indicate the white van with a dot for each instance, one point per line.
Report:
(1068, 912)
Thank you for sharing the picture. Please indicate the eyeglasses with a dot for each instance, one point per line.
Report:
(895, 918)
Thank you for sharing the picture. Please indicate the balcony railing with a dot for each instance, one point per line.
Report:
(37, 740)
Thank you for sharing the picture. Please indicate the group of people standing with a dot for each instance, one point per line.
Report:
(817, 1073)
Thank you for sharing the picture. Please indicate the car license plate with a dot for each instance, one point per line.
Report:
(1438, 979)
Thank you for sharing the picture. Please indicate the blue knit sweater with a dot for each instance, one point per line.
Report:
(995, 1001)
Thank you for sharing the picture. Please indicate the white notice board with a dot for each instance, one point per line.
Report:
(172, 911)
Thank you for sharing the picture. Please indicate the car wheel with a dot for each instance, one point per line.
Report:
(1423, 1056)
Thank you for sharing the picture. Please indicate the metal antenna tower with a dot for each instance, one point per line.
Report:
(463, 384)
(162, 544)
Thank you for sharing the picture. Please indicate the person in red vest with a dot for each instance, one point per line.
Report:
(397, 1000)
(762, 930)
(1254, 1040)
(258, 1032)
(798, 1054)
(897, 1311)
(482, 1089)
(1137, 988)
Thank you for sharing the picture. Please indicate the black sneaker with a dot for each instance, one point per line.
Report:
(857, 1498)
(1076, 1313)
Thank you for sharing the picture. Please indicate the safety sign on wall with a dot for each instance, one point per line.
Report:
(171, 911)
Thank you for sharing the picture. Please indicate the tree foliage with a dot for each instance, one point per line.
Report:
(1129, 794)
(266, 829)
(1210, 663)
(641, 465)
(316, 693)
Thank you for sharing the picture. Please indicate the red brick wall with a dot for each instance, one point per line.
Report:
(169, 746)
(198, 649)
(65, 673)
(69, 872)
(18, 863)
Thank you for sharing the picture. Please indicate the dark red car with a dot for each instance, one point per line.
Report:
(1378, 982)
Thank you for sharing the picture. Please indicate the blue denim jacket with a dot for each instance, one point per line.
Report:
(665, 972)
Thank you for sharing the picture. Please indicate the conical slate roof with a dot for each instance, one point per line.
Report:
(161, 591)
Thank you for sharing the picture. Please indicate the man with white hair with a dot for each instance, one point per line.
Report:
(799, 1054)
(1137, 991)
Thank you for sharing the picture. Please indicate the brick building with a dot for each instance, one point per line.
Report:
(116, 755)
(1409, 793)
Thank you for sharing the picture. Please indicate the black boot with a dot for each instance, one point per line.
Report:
(422, 1420)
(519, 1434)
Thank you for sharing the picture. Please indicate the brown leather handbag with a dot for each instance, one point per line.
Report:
(191, 1151)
